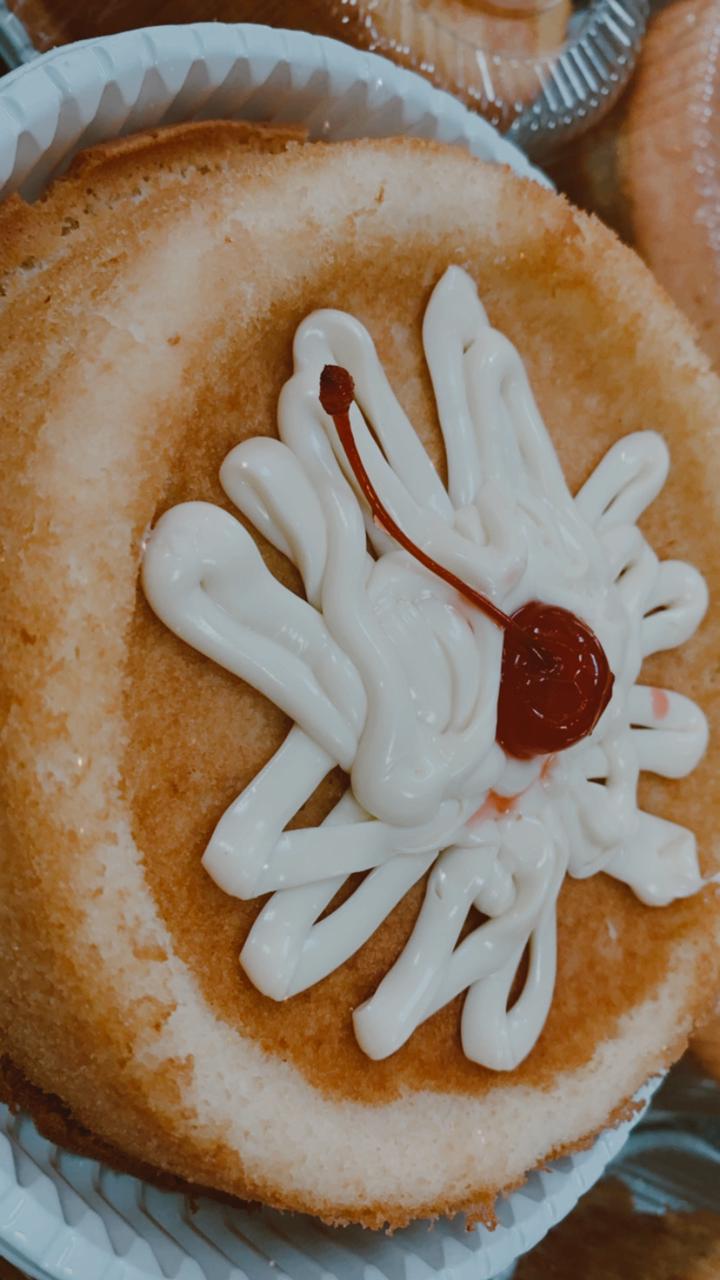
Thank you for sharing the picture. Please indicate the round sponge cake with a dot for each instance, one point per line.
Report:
(148, 308)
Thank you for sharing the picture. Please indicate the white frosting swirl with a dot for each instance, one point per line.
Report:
(386, 671)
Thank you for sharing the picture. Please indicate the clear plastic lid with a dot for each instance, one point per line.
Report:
(541, 70)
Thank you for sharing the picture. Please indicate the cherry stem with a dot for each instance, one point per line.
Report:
(337, 392)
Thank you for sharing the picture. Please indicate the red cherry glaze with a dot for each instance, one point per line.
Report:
(555, 680)
(543, 708)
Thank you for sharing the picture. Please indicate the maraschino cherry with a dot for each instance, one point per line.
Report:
(555, 680)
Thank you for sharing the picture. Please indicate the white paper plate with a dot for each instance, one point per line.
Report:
(61, 1216)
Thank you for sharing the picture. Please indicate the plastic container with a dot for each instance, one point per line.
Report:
(67, 1218)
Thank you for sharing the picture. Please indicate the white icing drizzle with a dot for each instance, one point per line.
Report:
(387, 672)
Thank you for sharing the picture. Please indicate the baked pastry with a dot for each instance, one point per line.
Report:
(473, 48)
(705, 1045)
(607, 1238)
(158, 305)
(650, 170)
(671, 132)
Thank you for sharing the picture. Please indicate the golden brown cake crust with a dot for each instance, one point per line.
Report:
(705, 1044)
(606, 354)
(54, 1120)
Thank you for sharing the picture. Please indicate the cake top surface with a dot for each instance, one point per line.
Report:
(150, 305)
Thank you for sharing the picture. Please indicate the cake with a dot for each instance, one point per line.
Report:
(650, 171)
(705, 1045)
(608, 1238)
(671, 132)
(476, 49)
(290, 438)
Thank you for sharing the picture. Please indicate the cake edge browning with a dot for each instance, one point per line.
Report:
(54, 1120)
(370, 1215)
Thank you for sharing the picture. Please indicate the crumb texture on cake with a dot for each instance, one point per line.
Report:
(146, 320)
(436, 38)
